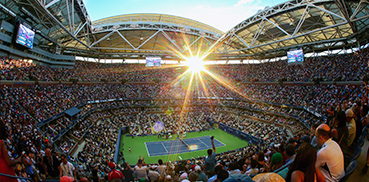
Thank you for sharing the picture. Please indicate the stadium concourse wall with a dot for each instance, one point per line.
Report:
(118, 144)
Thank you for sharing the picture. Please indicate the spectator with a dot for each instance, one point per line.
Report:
(210, 160)
(27, 161)
(276, 161)
(66, 168)
(366, 165)
(41, 168)
(233, 169)
(66, 179)
(253, 170)
(217, 169)
(52, 165)
(84, 179)
(114, 173)
(141, 169)
(95, 177)
(161, 168)
(262, 165)
(193, 176)
(330, 160)
(357, 108)
(222, 175)
(6, 162)
(340, 135)
(127, 172)
(201, 176)
(268, 177)
(351, 126)
(153, 175)
(183, 177)
(303, 167)
(290, 153)
(168, 178)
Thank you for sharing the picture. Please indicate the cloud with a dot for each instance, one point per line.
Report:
(243, 2)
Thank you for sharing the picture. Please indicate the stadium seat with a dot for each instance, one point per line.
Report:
(349, 170)
(356, 153)
(361, 139)
(364, 131)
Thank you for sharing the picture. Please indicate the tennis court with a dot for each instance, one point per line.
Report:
(177, 146)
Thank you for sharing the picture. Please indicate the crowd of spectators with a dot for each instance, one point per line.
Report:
(341, 67)
(257, 109)
(100, 144)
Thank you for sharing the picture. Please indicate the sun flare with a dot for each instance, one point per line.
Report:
(195, 64)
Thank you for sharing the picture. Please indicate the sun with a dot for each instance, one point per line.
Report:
(195, 64)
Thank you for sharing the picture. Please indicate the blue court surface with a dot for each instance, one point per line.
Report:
(177, 146)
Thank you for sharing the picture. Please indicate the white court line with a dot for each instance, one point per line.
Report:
(199, 138)
(148, 153)
(164, 147)
(221, 143)
(177, 146)
(203, 142)
(159, 154)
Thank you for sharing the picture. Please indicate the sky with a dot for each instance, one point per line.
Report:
(221, 14)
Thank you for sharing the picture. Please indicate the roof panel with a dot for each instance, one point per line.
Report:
(300, 23)
(159, 18)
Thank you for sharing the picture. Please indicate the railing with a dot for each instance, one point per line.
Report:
(117, 146)
(18, 177)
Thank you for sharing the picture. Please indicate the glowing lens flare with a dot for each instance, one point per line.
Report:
(195, 64)
(193, 147)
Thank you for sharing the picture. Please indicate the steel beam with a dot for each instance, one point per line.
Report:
(124, 38)
(51, 3)
(47, 12)
(306, 33)
(243, 41)
(198, 38)
(167, 37)
(301, 21)
(106, 36)
(281, 29)
(327, 11)
(148, 39)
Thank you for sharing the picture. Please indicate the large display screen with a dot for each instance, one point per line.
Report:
(153, 61)
(25, 36)
(295, 56)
